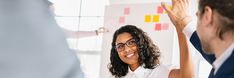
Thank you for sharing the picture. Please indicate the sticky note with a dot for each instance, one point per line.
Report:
(160, 10)
(126, 11)
(121, 20)
(147, 18)
(165, 26)
(157, 27)
(169, 6)
(156, 18)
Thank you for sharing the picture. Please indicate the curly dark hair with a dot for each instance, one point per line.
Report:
(148, 52)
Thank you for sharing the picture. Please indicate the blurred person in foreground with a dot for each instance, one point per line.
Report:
(31, 43)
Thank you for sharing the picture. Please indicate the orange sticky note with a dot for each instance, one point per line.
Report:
(147, 18)
(156, 18)
(121, 20)
(165, 26)
(160, 10)
(157, 27)
(126, 11)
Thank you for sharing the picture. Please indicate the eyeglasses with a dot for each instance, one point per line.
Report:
(121, 46)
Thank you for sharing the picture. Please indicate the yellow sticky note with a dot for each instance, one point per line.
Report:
(156, 18)
(170, 7)
(147, 18)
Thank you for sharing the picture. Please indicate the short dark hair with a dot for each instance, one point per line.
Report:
(148, 52)
(225, 9)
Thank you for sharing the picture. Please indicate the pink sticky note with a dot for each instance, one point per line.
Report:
(126, 11)
(122, 20)
(157, 27)
(165, 26)
(160, 10)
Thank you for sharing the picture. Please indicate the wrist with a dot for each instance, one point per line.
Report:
(184, 21)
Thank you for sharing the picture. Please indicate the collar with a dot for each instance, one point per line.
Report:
(139, 72)
(219, 61)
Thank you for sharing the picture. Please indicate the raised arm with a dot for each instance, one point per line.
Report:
(186, 66)
(79, 34)
(180, 17)
(82, 34)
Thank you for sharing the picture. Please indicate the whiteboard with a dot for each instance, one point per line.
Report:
(136, 1)
(148, 16)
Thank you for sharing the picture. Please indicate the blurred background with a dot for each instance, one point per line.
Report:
(88, 15)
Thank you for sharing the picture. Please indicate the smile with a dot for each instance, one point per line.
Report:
(130, 55)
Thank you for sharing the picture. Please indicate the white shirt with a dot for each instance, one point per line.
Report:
(188, 31)
(219, 61)
(160, 71)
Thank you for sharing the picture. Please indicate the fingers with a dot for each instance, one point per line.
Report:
(103, 30)
(173, 2)
(183, 0)
(100, 28)
(168, 10)
(187, 1)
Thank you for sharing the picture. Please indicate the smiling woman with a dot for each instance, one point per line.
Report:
(133, 50)
(133, 55)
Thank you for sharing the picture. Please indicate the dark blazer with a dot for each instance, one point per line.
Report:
(226, 70)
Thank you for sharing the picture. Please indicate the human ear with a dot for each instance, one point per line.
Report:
(208, 16)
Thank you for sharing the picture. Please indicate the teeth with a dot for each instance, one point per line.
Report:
(130, 55)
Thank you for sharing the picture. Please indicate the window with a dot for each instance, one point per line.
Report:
(83, 15)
